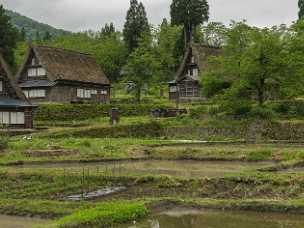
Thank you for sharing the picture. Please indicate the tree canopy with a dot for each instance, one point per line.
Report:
(142, 67)
(189, 13)
(301, 9)
(8, 37)
(108, 30)
(136, 24)
(167, 37)
(256, 65)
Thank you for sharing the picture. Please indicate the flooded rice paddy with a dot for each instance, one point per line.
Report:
(20, 222)
(184, 168)
(293, 170)
(218, 219)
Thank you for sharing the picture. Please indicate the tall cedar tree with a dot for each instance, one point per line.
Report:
(136, 24)
(189, 13)
(108, 30)
(301, 7)
(8, 37)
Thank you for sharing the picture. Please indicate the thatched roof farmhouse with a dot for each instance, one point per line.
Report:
(186, 86)
(15, 109)
(51, 74)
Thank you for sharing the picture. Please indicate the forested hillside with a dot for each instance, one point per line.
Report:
(33, 30)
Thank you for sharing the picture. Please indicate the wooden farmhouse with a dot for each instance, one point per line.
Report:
(62, 76)
(186, 86)
(15, 110)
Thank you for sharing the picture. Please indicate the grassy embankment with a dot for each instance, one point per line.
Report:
(43, 192)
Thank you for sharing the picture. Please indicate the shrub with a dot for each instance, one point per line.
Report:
(259, 156)
(146, 130)
(299, 108)
(261, 113)
(69, 112)
(281, 108)
(236, 108)
(289, 107)
(3, 142)
(213, 110)
(198, 111)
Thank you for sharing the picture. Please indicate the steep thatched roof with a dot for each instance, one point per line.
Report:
(15, 91)
(201, 55)
(67, 65)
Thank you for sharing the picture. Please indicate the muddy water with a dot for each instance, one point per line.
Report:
(293, 170)
(174, 168)
(216, 219)
(20, 222)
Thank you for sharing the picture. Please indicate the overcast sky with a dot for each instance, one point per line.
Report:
(77, 15)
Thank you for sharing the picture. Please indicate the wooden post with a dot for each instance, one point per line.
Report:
(114, 116)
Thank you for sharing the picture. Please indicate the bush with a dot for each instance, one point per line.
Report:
(3, 142)
(147, 130)
(69, 112)
(198, 111)
(261, 113)
(280, 108)
(259, 156)
(291, 107)
(236, 108)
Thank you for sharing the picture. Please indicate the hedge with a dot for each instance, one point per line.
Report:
(290, 107)
(67, 112)
(146, 130)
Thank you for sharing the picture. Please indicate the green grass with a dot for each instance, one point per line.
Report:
(43, 208)
(105, 215)
(94, 149)
(85, 149)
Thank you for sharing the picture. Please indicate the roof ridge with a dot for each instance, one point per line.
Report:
(62, 49)
(11, 80)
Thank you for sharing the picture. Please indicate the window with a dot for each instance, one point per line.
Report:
(34, 62)
(195, 72)
(173, 89)
(12, 118)
(36, 72)
(93, 92)
(32, 72)
(17, 118)
(1, 86)
(4, 118)
(41, 71)
(192, 59)
(103, 92)
(26, 93)
(86, 93)
(35, 93)
(80, 93)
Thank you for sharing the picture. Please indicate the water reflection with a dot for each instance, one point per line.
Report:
(215, 219)
(20, 222)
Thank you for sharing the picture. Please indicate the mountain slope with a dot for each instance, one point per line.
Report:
(34, 30)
